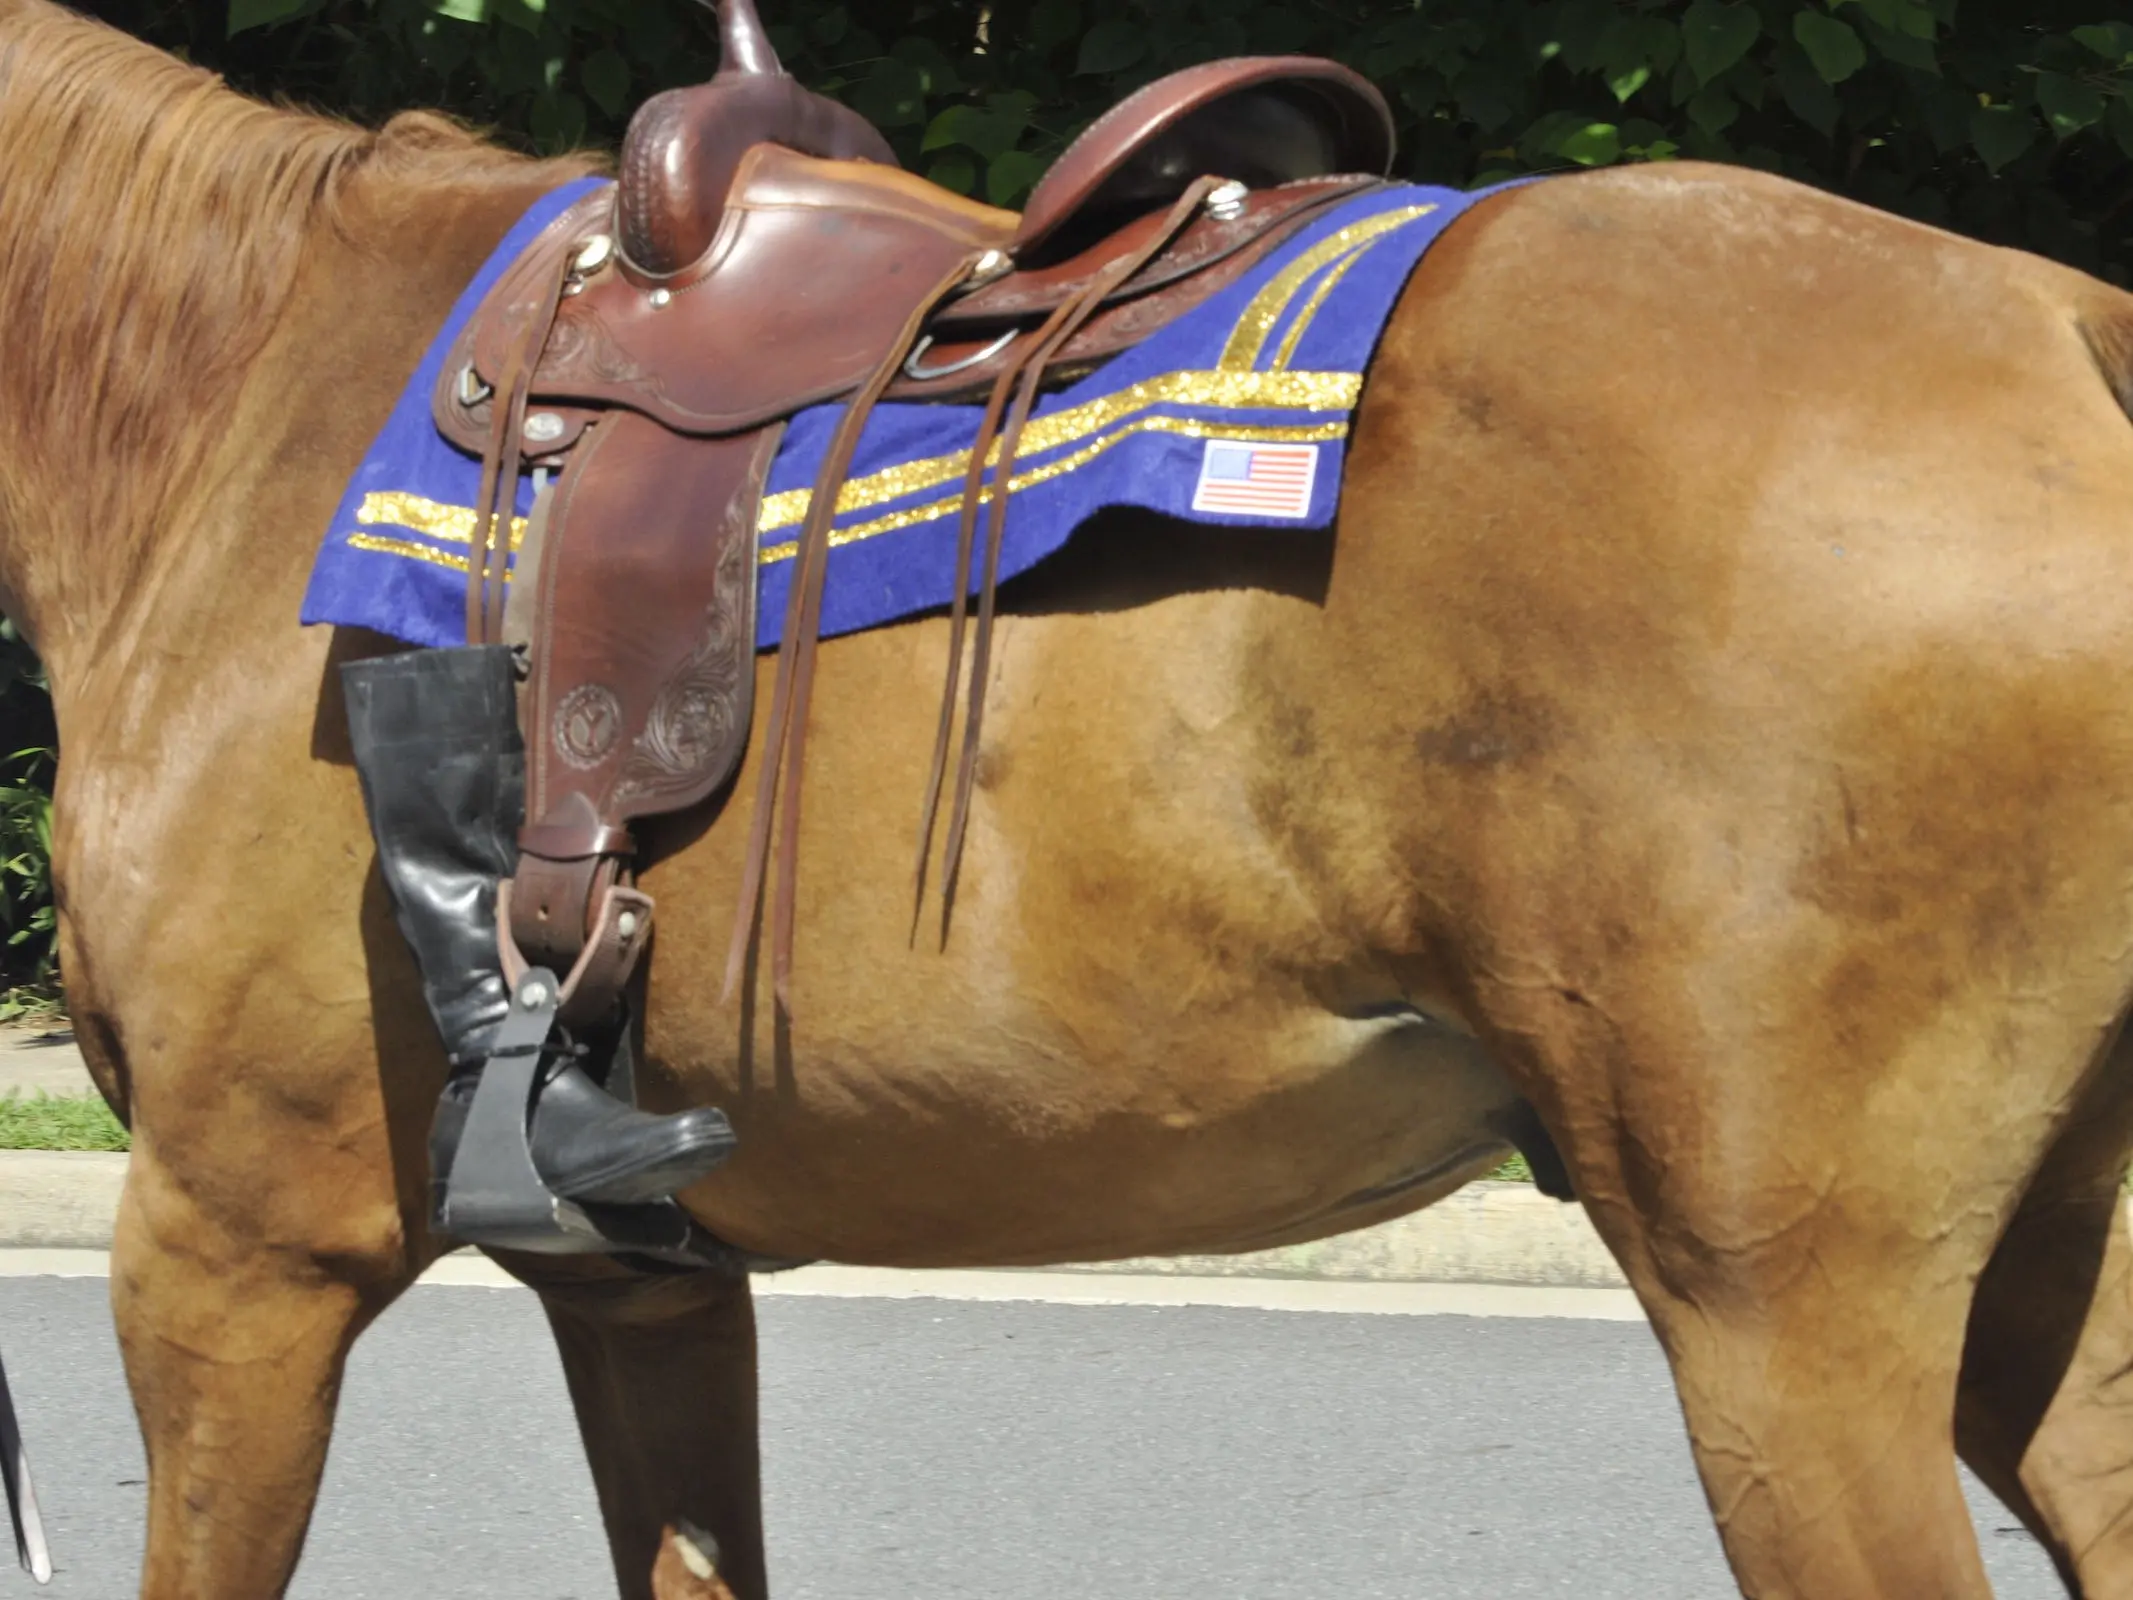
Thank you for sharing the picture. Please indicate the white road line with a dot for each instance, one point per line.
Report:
(1047, 1288)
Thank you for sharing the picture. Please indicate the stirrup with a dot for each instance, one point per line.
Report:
(496, 1197)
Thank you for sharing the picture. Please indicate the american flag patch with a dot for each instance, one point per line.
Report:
(1267, 480)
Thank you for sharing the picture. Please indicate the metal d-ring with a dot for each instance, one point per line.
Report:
(918, 374)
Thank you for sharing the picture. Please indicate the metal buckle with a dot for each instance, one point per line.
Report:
(918, 374)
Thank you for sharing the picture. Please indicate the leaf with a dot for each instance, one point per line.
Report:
(606, 77)
(1714, 36)
(2111, 40)
(1594, 145)
(1810, 99)
(954, 126)
(246, 15)
(1714, 110)
(1052, 23)
(2069, 105)
(1110, 47)
(1628, 83)
(894, 95)
(558, 122)
(2120, 118)
(1902, 48)
(955, 170)
(2001, 133)
(1907, 17)
(1011, 176)
(1832, 46)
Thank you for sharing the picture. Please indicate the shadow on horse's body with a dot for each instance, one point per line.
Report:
(1712, 724)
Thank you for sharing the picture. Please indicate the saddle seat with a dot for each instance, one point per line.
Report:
(762, 253)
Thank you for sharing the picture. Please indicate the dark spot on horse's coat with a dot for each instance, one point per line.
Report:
(1295, 732)
(993, 766)
(1493, 731)
(1574, 997)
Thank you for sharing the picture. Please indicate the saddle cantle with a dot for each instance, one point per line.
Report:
(761, 253)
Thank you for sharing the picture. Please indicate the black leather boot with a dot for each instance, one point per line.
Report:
(443, 771)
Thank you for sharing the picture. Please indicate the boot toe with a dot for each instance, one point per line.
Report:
(644, 1159)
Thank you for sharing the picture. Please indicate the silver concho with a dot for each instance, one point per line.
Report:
(587, 724)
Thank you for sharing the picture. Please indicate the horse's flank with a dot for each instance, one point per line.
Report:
(152, 227)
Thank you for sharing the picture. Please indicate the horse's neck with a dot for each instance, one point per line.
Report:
(225, 553)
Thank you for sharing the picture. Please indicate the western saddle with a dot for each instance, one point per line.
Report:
(762, 252)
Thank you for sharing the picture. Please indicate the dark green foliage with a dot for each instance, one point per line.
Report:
(27, 954)
(2008, 119)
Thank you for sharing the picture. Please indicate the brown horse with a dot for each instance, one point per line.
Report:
(1711, 725)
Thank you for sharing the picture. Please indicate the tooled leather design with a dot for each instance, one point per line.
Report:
(695, 719)
(580, 351)
(641, 224)
(587, 722)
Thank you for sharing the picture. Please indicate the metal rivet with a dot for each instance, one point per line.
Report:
(991, 264)
(660, 297)
(1226, 202)
(626, 924)
(545, 427)
(533, 996)
(592, 255)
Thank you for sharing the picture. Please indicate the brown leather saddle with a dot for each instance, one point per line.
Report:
(761, 253)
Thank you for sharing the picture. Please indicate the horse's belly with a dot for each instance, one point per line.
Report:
(1223, 1143)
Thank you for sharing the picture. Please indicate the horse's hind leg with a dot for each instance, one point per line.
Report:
(1804, 1200)
(662, 1372)
(2045, 1412)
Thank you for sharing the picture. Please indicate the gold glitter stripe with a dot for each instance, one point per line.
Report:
(1186, 427)
(1268, 391)
(1309, 313)
(413, 551)
(1248, 339)
(453, 524)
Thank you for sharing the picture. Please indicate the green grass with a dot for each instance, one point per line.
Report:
(60, 1122)
(1513, 1171)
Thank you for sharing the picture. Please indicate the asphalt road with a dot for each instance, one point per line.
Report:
(929, 1449)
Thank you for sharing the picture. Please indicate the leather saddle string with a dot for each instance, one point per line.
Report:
(488, 558)
(785, 732)
(959, 609)
(1061, 327)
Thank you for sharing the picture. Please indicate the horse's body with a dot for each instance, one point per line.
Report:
(1711, 723)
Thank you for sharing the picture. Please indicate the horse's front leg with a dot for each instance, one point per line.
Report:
(662, 1372)
(252, 1247)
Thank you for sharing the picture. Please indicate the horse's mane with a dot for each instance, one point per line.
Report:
(152, 223)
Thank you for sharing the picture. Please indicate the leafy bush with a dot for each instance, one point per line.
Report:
(28, 958)
(2008, 119)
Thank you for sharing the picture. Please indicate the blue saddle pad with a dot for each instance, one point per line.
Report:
(1236, 414)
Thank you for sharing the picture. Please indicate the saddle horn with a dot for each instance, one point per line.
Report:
(685, 145)
(744, 45)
